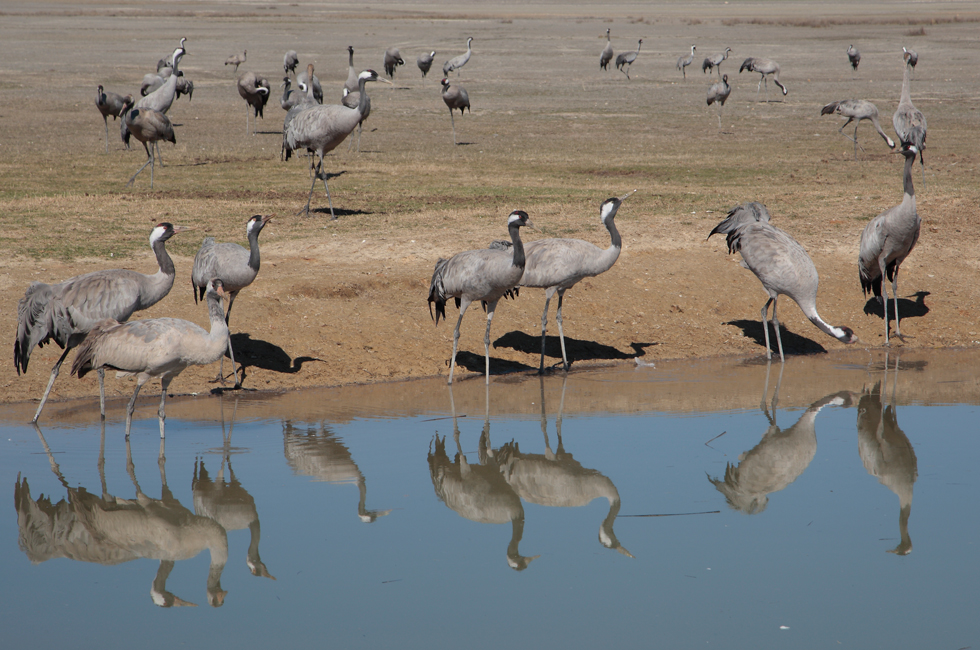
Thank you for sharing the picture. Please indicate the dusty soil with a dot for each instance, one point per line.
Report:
(341, 302)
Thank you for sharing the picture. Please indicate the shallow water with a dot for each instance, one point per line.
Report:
(843, 515)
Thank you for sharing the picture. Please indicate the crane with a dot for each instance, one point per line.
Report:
(911, 58)
(714, 61)
(290, 97)
(607, 53)
(854, 57)
(856, 110)
(780, 263)
(909, 122)
(424, 62)
(351, 85)
(255, 90)
(289, 62)
(684, 61)
(764, 67)
(625, 59)
(321, 128)
(557, 265)
(486, 275)
(65, 312)
(155, 347)
(110, 104)
(352, 99)
(455, 97)
(303, 78)
(162, 98)
(235, 266)
(147, 125)
(392, 59)
(719, 92)
(236, 60)
(887, 240)
(458, 62)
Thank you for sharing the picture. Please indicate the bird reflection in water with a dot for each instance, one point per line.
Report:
(319, 454)
(886, 452)
(227, 502)
(111, 530)
(779, 458)
(556, 479)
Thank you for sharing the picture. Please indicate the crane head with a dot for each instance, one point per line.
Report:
(257, 222)
(519, 218)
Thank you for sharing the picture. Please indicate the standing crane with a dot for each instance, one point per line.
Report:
(304, 78)
(147, 126)
(289, 62)
(684, 61)
(911, 58)
(321, 128)
(155, 347)
(255, 90)
(854, 57)
(782, 266)
(486, 275)
(909, 122)
(65, 312)
(352, 99)
(163, 97)
(719, 92)
(607, 53)
(393, 59)
(625, 59)
(455, 96)
(235, 266)
(424, 62)
(304, 101)
(714, 61)
(557, 265)
(236, 60)
(289, 97)
(458, 62)
(887, 240)
(856, 110)
(764, 67)
(110, 104)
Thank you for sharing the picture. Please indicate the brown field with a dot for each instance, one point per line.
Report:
(344, 302)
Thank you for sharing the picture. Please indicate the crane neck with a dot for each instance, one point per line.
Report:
(810, 311)
(906, 97)
(163, 258)
(515, 237)
(909, 161)
(216, 314)
(362, 100)
(617, 240)
(253, 249)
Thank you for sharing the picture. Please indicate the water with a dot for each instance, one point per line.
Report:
(852, 521)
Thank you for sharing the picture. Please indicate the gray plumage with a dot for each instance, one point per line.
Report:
(235, 266)
(718, 93)
(392, 59)
(607, 53)
(909, 122)
(321, 128)
(163, 97)
(155, 347)
(684, 61)
(236, 60)
(856, 110)
(151, 82)
(290, 61)
(147, 126)
(780, 263)
(304, 100)
(854, 57)
(255, 90)
(458, 62)
(455, 97)
(625, 60)
(424, 62)
(65, 312)
(352, 99)
(184, 87)
(714, 61)
(887, 240)
(351, 85)
(290, 97)
(557, 265)
(484, 275)
(911, 58)
(764, 67)
(302, 79)
(110, 104)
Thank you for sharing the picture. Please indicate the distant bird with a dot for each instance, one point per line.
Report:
(607, 53)
(719, 92)
(909, 122)
(155, 347)
(290, 97)
(65, 312)
(321, 128)
(235, 266)
(162, 98)
(351, 85)
(290, 61)
(302, 80)
(147, 126)
(780, 263)
(911, 58)
(483, 275)
(236, 60)
(856, 110)
(184, 87)
(684, 61)
(714, 61)
(853, 56)
(455, 97)
(424, 62)
(458, 62)
(557, 265)
(393, 59)
(352, 99)
(625, 59)
(255, 90)
(764, 67)
(110, 104)
(887, 240)
(304, 100)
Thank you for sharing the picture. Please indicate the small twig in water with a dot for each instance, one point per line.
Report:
(448, 417)
(673, 514)
(715, 438)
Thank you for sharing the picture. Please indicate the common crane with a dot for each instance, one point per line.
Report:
(764, 67)
(392, 59)
(607, 53)
(424, 62)
(455, 97)
(684, 61)
(909, 122)
(856, 110)
(255, 90)
(289, 62)
(714, 61)
(458, 62)
(911, 58)
(147, 126)
(718, 93)
(854, 57)
(625, 59)
(236, 60)
(110, 104)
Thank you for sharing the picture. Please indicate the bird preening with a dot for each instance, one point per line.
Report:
(424, 62)
(854, 57)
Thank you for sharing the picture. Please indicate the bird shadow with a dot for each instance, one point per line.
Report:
(279, 132)
(792, 343)
(576, 349)
(477, 363)
(465, 144)
(906, 308)
(256, 353)
(340, 212)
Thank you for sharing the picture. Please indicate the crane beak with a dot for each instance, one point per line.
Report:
(267, 218)
(626, 196)
(383, 80)
(179, 229)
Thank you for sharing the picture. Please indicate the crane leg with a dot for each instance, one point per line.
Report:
(486, 338)
(106, 133)
(358, 137)
(452, 364)
(323, 176)
(453, 120)
(47, 391)
(162, 413)
(132, 406)
(149, 160)
(765, 327)
(544, 327)
(561, 332)
(884, 297)
(759, 87)
(101, 373)
(898, 329)
(775, 326)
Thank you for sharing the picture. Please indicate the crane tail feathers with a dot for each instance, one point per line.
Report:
(829, 108)
(85, 357)
(40, 318)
